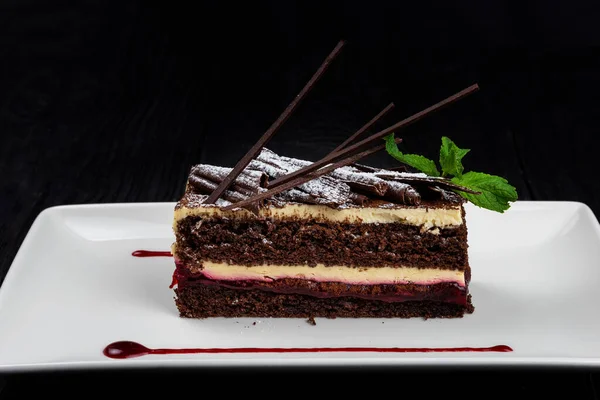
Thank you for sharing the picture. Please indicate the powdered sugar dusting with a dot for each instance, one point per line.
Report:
(270, 170)
(397, 174)
(352, 174)
(249, 178)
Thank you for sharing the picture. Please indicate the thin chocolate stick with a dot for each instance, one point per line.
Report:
(244, 161)
(360, 145)
(363, 129)
(306, 178)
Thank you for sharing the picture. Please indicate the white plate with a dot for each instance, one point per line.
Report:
(74, 287)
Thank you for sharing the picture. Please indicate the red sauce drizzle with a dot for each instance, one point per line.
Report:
(150, 253)
(127, 349)
(174, 280)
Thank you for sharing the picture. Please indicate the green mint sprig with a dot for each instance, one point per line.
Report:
(416, 161)
(495, 193)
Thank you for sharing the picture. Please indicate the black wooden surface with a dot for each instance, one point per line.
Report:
(110, 101)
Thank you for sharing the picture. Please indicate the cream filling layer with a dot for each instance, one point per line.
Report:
(426, 218)
(322, 273)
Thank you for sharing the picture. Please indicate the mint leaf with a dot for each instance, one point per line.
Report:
(421, 163)
(496, 192)
(450, 158)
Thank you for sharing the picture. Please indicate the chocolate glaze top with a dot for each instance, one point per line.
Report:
(350, 186)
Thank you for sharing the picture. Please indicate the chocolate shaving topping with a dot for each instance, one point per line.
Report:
(204, 186)
(445, 195)
(360, 180)
(377, 190)
(270, 169)
(296, 196)
(358, 199)
(347, 186)
(402, 193)
(204, 179)
(247, 179)
(324, 190)
(423, 179)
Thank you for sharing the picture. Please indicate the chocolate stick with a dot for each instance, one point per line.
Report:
(306, 178)
(244, 161)
(348, 151)
(364, 128)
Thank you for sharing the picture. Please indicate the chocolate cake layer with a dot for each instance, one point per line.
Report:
(203, 301)
(264, 241)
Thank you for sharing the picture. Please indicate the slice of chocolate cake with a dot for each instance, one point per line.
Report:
(356, 242)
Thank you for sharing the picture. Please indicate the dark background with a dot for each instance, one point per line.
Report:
(112, 101)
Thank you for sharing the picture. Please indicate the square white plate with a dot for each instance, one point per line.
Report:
(74, 288)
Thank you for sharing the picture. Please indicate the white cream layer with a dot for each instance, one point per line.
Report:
(322, 273)
(426, 218)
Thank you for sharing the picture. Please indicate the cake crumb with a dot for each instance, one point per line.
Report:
(254, 323)
(311, 320)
